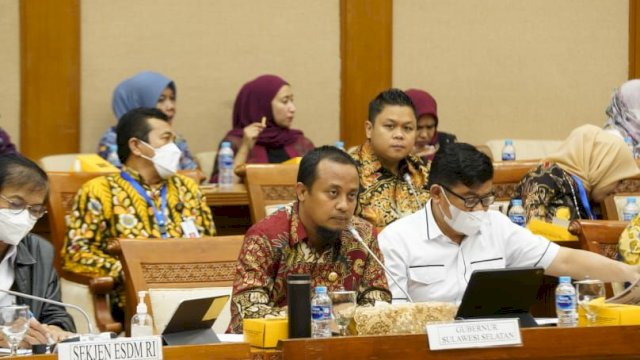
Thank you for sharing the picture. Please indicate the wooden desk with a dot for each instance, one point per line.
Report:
(230, 209)
(612, 342)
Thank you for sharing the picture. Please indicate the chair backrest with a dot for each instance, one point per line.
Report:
(526, 149)
(485, 149)
(205, 160)
(178, 269)
(60, 162)
(270, 186)
(63, 187)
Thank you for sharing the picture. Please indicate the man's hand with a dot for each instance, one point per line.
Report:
(36, 334)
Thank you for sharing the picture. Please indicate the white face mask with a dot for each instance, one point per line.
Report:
(464, 222)
(166, 159)
(14, 227)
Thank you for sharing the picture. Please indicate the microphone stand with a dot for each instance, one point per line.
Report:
(359, 239)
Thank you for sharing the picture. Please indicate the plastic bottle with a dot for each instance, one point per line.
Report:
(141, 322)
(508, 151)
(516, 213)
(112, 156)
(566, 303)
(321, 313)
(340, 145)
(225, 166)
(630, 210)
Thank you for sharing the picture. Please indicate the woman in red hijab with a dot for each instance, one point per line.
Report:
(428, 138)
(271, 141)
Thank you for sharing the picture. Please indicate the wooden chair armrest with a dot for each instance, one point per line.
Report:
(113, 247)
(241, 170)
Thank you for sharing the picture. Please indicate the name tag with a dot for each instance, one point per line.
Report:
(140, 348)
(473, 334)
(189, 229)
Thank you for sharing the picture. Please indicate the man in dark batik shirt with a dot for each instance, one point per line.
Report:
(310, 236)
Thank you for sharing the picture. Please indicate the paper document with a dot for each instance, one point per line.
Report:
(630, 295)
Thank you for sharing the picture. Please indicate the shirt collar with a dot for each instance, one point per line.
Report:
(434, 230)
(297, 231)
(22, 254)
(371, 164)
(137, 177)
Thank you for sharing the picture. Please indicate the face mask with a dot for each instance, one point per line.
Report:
(14, 227)
(464, 222)
(166, 159)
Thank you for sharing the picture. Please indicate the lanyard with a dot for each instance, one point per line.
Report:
(159, 214)
(583, 197)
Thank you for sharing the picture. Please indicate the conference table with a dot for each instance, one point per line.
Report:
(610, 342)
(230, 208)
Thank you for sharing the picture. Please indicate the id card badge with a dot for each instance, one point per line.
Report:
(189, 229)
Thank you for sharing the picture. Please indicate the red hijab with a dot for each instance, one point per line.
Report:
(425, 104)
(252, 103)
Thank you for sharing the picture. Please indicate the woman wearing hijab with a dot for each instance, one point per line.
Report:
(428, 138)
(6, 146)
(268, 98)
(624, 113)
(586, 168)
(150, 90)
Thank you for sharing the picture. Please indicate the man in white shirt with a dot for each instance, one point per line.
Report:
(432, 253)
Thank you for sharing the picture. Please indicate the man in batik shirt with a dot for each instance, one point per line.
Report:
(310, 236)
(147, 199)
(385, 160)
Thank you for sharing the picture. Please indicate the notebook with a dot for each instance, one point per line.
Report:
(501, 293)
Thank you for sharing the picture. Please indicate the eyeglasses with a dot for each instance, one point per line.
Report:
(36, 211)
(471, 202)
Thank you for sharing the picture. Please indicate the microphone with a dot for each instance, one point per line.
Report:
(44, 300)
(387, 272)
(407, 179)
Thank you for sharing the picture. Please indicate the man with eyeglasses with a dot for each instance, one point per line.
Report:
(432, 253)
(26, 260)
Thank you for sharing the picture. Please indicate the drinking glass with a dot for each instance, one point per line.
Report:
(587, 291)
(14, 321)
(344, 308)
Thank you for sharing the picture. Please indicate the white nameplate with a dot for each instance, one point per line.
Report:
(139, 348)
(472, 334)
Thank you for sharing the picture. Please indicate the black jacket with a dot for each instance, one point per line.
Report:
(35, 275)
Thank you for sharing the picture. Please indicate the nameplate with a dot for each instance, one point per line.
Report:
(473, 334)
(139, 348)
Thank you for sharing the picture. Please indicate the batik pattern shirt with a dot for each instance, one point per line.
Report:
(545, 189)
(108, 150)
(109, 207)
(629, 243)
(385, 197)
(278, 246)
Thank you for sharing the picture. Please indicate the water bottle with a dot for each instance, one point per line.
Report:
(566, 303)
(225, 166)
(516, 213)
(340, 145)
(321, 313)
(508, 151)
(112, 155)
(630, 210)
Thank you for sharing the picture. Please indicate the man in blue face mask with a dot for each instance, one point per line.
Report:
(432, 253)
(147, 199)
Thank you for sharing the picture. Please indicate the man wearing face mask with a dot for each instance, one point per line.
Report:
(433, 252)
(26, 260)
(310, 236)
(147, 199)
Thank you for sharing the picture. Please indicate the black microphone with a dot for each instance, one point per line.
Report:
(407, 179)
(44, 300)
(355, 234)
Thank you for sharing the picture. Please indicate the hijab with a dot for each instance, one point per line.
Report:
(595, 156)
(624, 111)
(425, 104)
(252, 103)
(141, 90)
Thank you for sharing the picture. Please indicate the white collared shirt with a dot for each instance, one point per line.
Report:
(8, 275)
(432, 267)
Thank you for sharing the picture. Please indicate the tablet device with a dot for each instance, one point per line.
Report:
(192, 321)
(501, 293)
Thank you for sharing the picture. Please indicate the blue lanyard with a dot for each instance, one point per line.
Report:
(583, 197)
(160, 217)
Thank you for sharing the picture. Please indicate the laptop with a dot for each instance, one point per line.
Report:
(501, 293)
(192, 321)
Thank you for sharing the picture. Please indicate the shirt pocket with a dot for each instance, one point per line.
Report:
(427, 274)
(489, 263)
